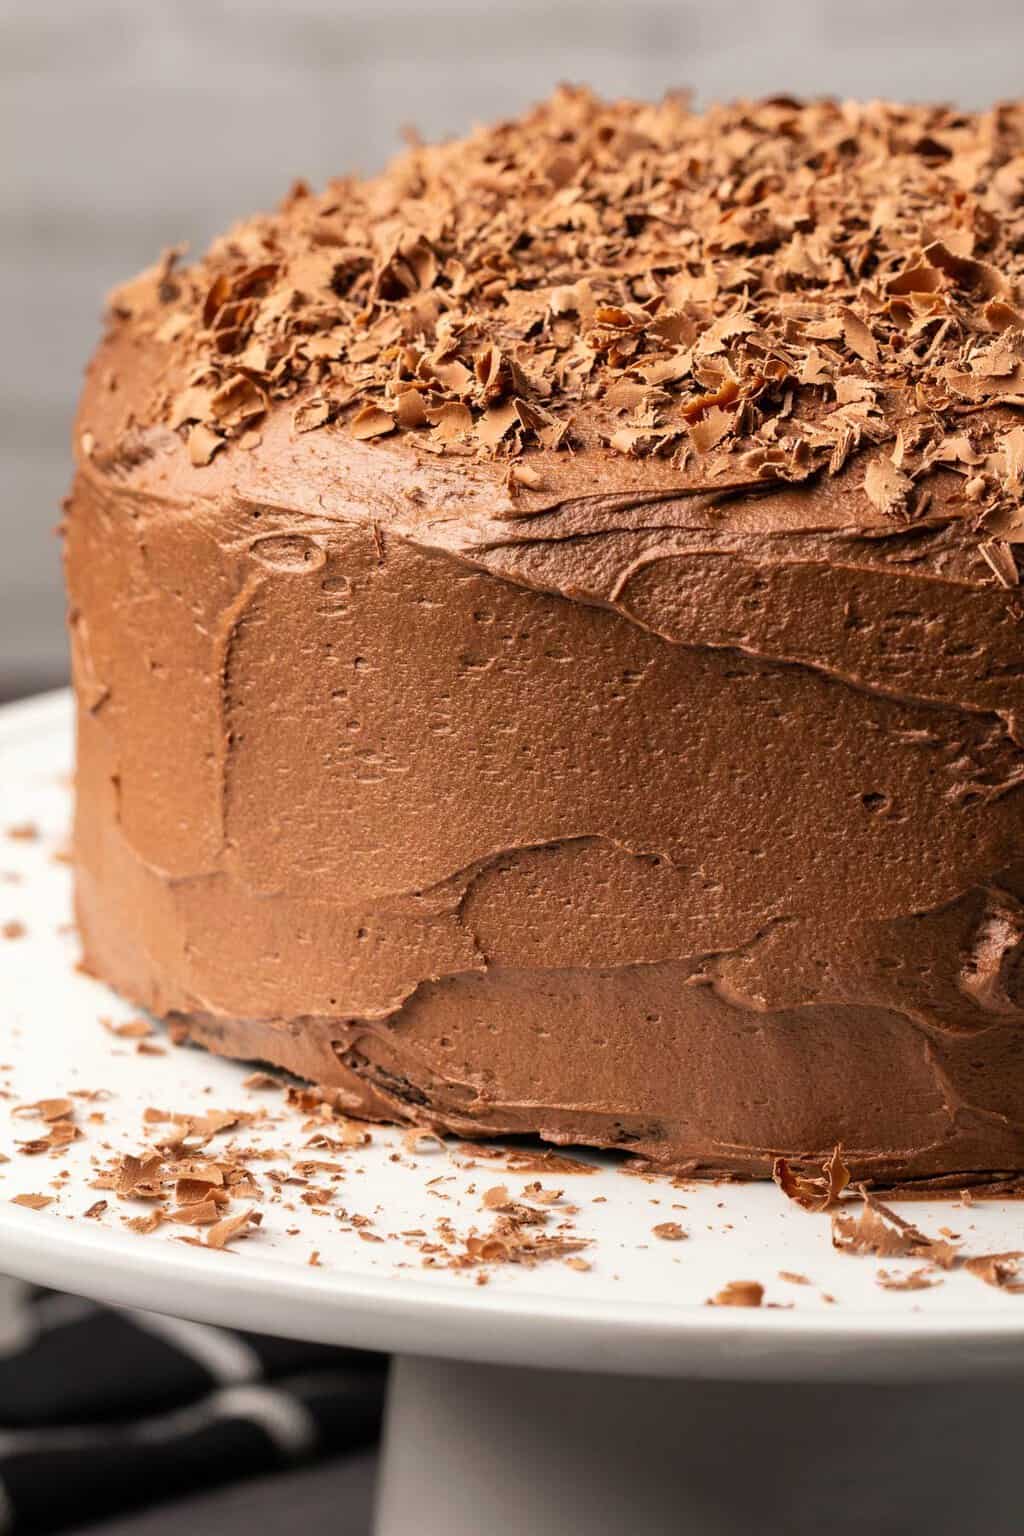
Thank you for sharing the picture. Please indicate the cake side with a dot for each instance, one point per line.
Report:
(657, 800)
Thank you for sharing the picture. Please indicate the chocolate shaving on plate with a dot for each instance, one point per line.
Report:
(232, 1227)
(50, 1110)
(23, 832)
(139, 1177)
(130, 1029)
(880, 1231)
(814, 1192)
(1005, 1271)
(738, 1293)
(914, 1280)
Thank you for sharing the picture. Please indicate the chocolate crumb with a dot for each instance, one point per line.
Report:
(23, 832)
(738, 1293)
(261, 1081)
(915, 1280)
(1002, 1270)
(131, 1029)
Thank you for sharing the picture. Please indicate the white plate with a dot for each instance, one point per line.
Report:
(640, 1308)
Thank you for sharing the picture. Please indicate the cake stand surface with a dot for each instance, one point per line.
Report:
(547, 1364)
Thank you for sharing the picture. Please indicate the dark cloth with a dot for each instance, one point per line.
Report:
(334, 1496)
(103, 1411)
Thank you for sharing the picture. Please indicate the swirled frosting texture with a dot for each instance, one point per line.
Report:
(547, 636)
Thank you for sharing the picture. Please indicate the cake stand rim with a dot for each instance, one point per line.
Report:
(408, 1316)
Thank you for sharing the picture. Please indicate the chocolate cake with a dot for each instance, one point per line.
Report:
(548, 639)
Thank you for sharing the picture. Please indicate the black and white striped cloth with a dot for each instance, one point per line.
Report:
(103, 1411)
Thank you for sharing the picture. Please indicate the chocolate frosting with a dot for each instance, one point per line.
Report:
(547, 636)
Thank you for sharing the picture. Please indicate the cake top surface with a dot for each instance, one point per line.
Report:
(637, 298)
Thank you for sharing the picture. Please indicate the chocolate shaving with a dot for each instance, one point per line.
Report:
(201, 1213)
(203, 443)
(509, 1244)
(58, 1115)
(813, 1192)
(780, 285)
(880, 1231)
(1012, 447)
(419, 1140)
(1005, 1271)
(50, 1110)
(147, 1223)
(231, 1227)
(528, 1160)
(139, 1178)
(738, 1293)
(914, 1280)
(370, 422)
(313, 413)
(1001, 561)
(858, 336)
(191, 1190)
(23, 832)
(261, 1080)
(131, 1029)
(887, 487)
(974, 276)
(542, 1196)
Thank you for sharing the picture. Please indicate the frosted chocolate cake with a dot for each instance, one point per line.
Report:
(548, 639)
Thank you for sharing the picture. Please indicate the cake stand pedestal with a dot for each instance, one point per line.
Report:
(470, 1448)
(548, 1399)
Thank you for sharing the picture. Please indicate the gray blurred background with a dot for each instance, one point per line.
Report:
(125, 127)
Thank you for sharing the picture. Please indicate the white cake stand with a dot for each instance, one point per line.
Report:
(569, 1400)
